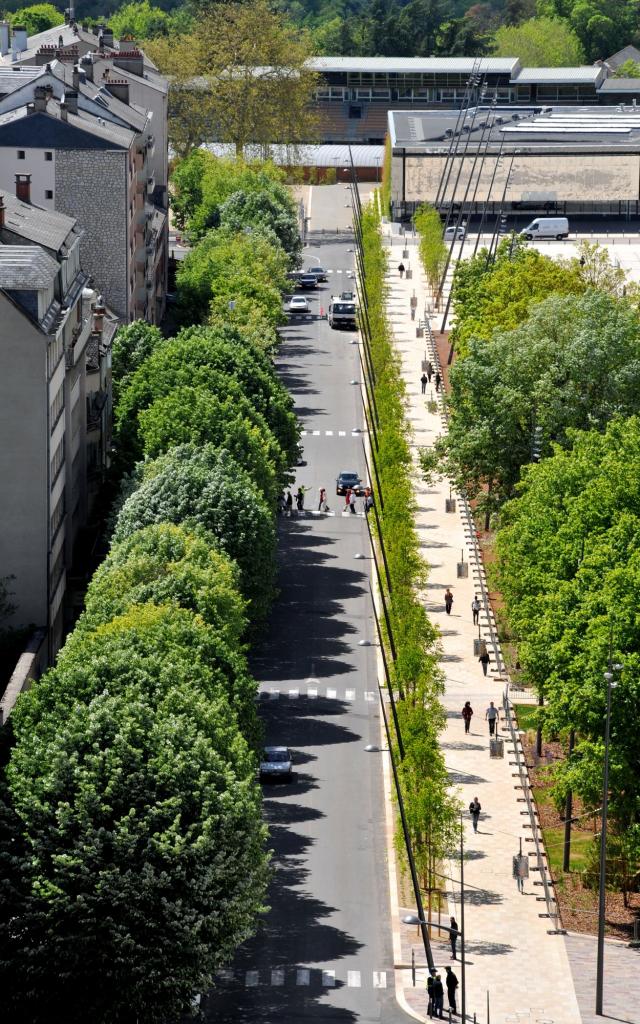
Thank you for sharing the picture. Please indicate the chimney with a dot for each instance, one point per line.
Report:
(75, 77)
(19, 40)
(64, 111)
(87, 66)
(71, 102)
(107, 35)
(23, 187)
(4, 38)
(118, 88)
(2, 211)
(40, 97)
(130, 60)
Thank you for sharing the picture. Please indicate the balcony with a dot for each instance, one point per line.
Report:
(151, 184)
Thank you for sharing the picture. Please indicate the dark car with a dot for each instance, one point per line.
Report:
(308, 281)
(276, 763)
(349, 481)
(319, 273)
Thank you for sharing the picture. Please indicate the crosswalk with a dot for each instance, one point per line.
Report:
(353, 432)
(347, 696)
(304, 977)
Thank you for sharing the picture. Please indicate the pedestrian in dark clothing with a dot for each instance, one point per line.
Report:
(368, 501)
(438, 997)
(454, 931)
(289, 502)
(475, 608)
(424, 380)
(491, 716)
(484, 661)
(430, 981)
(300, 499)
(401, 269)
(429, 371)
(448, 601)
(451, 982)
(474, 811)
(322, 500)
(438, 380)
(467, 714)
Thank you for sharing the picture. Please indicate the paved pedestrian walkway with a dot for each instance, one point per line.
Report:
(621, 997)
(509, 953)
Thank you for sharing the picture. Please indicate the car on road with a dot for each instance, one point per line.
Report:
(347, 296)
(319, 273)
(276, 763)
(308, 280)
(547, 227)
(298, 304)
(342, 314)
(453, 232)
(349, 481)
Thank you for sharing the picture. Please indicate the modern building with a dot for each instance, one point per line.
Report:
(355, 94)
(562, 160)
(52, 447)
(83, 130)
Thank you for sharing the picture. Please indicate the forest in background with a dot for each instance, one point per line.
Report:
(540, 32)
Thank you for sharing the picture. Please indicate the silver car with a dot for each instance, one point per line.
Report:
(276, 763)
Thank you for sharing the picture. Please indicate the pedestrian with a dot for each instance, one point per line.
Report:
(300, 499)
(467, 713)
(289, 503)
(322, 500)
(491, 716)
(454, 931)
(347, 499)
(401, 269)
(448, 601)
(429, 370)
(451, 981)
(282, 503)
(413, 312)
(430, 981)
(475, 608)
(438, 997)
(352, 503)
(484, 658)
(424, 380)
(474, 811)
(438, 380)
(368, 501)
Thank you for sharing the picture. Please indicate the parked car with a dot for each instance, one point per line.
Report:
(453, 232)
(319, 273)
(349, 481)
(308, 280)
(298, 304)
(276, 763)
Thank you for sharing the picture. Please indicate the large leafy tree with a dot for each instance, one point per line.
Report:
(257, 211)
(206, 487)
(36, 18)
(132, 344)
(540, 42)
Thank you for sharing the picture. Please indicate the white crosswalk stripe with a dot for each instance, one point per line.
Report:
(350, 695)
(316, 433)
(251, 979)
(369, 695)
(379, 979)
(312, 693)
(342, 433)
(302, 976)
(274, 694)
(329, 979)
(328, 433)
(332, 694)
(353, 979)
(294, 694)
(277, 976)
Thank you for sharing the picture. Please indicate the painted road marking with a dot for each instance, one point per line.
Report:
(302, 976)
(293, 694)
(369, 695)
(312, 692)
(277, 976)
(225, 975)
(350, 695)
(329, 979)
(328, 433)
(316, 433)
(331, 694)
(342, 433)
(274, 694)
(379, 979)
(251, 979)
(353, 979)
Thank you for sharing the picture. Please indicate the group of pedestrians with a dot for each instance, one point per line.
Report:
(286, 500)
(427, 374)
(484, 657)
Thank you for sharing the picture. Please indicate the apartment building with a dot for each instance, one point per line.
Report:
(52, 446)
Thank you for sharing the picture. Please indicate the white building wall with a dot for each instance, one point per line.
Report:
(42, 173)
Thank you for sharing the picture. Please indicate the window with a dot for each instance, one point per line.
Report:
(355, 113)
(57, 406)
(21, 154)
(56, 572)
(57, 517)
(48, 155)
(48, 193)
(57, 461)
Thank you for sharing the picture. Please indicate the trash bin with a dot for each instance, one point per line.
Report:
(405, 254)
(419, 332)
(408, 273)
(496, 747)
(476, 647)
(449, 504)
(463, 570)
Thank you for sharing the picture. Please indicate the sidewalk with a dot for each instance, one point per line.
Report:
(508, 951)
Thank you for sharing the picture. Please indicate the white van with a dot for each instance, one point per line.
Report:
(547, 227)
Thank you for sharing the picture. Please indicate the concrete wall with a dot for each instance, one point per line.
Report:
(92, 185)
(23, 463)
(31, 664)
(574, 177)
(42, 173)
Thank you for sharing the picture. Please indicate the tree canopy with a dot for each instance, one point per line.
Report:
(36, 18)
(540, 42)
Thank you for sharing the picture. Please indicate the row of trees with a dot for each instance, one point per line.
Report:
(133, 850)
(430, 809)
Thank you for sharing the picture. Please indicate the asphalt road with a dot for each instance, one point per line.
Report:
(323, 951)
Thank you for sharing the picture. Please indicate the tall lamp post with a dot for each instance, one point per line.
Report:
(611, 684)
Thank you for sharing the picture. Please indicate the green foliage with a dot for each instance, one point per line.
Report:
(132, 344)
(206, 488)
(37, 18)
(575, 363)
(143, 21)
(603, 26)
(257, 211)
(385, 189)
(540, 42)
(628, 69)
(165, 564)
(433, 251)
(569, 569)
(186, 185)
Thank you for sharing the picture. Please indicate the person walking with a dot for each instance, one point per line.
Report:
(475, 609)
(484, 658)
(430, 981)
(352, 503)
(347, 497)
(438, 997)
(368, 501)
(322, 500)
(491, 716)
(454, 931)
(429, 370)
(467, 714)
(451, 982)
(474, 810)
(424, 380)
(438, 380)
(289, 503)
(448, 601)
(401, 269)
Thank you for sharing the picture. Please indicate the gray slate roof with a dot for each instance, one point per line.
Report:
(43, 227)
(26, 267)
(13, 78)
(620, 85)
(626, 53)
(584, 75)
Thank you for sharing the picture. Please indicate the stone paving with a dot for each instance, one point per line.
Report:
(621, 998)
(509, 953)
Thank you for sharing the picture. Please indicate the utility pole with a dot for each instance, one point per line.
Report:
(462, 928)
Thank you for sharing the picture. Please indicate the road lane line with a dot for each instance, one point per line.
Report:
(302, 976)
(316, 433)
(329, 979)
(353, 979)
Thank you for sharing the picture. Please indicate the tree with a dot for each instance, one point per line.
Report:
(628, 69)
(37, 18)
(256, 211)
(256, 82)
(221, 179)
(165, 564)
(146, 863)
(132, 344)
(141, 20)
(205, 487)
(539, 42)
(186, 185)
(433, 251)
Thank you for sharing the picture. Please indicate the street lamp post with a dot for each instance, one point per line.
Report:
(603, 843)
